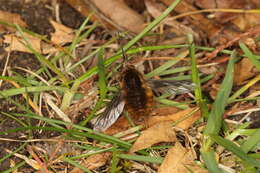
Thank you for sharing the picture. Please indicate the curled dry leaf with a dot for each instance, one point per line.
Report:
(97, 160)
(11, 18)
(186, 123)
(62, 34)
(162, 132)
(243, 71)
(17, 43)
(179, 159)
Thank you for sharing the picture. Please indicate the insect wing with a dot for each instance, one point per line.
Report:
(111, 113)
(170, 86)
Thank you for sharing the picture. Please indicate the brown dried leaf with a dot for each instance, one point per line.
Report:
(62, 34)
(176, 117)
(11, 18)
(179, 159)
(16, 43)
(247, 20)
(122, 16)
(94, 161)
(162, 132)
(155, 9)
(206, 25)
(243, 71)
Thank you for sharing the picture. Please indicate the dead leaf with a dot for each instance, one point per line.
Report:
(177, 117)
(162, 132)
(62, 34)
(11, 18)
(122, 18)
(206, 3)
(94, 161)
(243, 71)
(155, 9)
(247, 20)
(206, 25)
(16, 43)
(179, 159)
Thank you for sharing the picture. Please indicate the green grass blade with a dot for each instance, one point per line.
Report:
(235, 149)
(251, 141)
(210, 161)
(250, 55)
(16, 91)
(215, 118)
(157, 160)
(76, 164)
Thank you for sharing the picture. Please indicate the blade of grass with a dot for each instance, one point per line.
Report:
(215, 118)
(196, 79)
(156, 160)
(76, 164)
(165, 66)
(210, 161)
(16, 91)
(102, 84)
(244, 88)
(251, 141)
(250, 55)
(214, 122)
(41, 58)
(235, 149)
(76, 131)
(132, 42)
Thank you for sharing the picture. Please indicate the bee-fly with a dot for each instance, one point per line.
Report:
(136, 96)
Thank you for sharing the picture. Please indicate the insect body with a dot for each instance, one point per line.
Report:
(136, 96)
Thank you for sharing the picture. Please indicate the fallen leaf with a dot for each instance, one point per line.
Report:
(247, 20)
(186, 123)
(94, 161)
(243, 71)
(122, 18)
(62, 34)
(162, 132)
(17, 43)
(11, 18)
(206, 25)
(180, 159)
(156, 10)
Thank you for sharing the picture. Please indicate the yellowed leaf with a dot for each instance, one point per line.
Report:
(161, 132)
(243, 71)
(62, 34)
(186, 123)
(179, 159)
(17, 43)
(11, 18)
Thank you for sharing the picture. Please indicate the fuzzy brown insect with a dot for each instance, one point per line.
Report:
(136, 96)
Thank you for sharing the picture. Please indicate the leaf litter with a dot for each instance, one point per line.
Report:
(215, 29)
